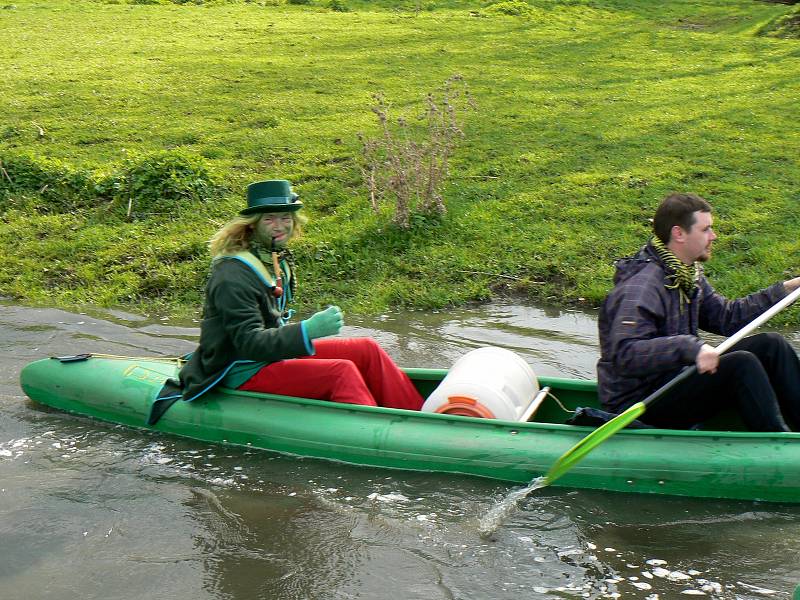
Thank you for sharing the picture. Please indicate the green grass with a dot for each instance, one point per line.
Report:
(588, 112)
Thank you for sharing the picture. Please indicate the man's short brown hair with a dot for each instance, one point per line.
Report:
(677, 209)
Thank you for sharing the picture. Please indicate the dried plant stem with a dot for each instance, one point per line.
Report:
(2, 168)
(408, 167)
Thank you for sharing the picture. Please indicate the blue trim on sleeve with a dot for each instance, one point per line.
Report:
(307, 340)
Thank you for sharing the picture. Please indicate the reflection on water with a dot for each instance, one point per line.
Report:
(92, 510)
(544, 336)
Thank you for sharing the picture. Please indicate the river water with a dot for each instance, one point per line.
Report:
(91, 510)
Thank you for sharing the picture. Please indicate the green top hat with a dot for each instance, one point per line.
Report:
(274, 195)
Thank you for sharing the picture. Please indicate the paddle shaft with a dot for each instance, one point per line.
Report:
(726, 345)
(758, 321)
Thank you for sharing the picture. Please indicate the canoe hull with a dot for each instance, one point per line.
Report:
(738, 465)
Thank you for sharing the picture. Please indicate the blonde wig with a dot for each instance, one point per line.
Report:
(235, 234)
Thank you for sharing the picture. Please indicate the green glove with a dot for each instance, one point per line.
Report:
(324, 323)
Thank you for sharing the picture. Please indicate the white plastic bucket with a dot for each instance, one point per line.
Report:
(489, 382)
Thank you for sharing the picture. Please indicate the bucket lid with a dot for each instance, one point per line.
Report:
(465, 407)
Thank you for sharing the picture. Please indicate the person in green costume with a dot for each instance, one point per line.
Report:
(247, 337)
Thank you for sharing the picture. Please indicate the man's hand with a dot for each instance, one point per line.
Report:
(707, 359)
(791, 284)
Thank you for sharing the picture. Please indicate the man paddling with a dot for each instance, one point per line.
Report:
(649, 331)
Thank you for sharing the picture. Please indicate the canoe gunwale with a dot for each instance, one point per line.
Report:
(777, 436)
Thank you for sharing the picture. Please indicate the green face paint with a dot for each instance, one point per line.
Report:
(274, 230)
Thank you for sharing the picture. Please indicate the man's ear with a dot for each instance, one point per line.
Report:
(677, 234)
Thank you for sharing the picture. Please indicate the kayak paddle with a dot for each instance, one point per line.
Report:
(602, 433)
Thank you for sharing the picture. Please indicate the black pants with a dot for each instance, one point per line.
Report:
(759, 376)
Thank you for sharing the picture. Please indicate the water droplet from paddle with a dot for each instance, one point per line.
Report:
(489, 523)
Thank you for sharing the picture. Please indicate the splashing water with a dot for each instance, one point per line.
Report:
(489, 523)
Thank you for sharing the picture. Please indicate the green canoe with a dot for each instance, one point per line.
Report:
(714, 464)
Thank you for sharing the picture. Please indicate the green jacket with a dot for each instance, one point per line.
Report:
(242, 322)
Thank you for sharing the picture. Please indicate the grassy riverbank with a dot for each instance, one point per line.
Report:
(587, 113)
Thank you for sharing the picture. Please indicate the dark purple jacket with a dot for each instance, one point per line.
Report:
(645, 338)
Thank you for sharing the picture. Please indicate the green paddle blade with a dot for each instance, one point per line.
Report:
(591, 441)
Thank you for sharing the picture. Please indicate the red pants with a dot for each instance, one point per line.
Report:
(354, 371)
